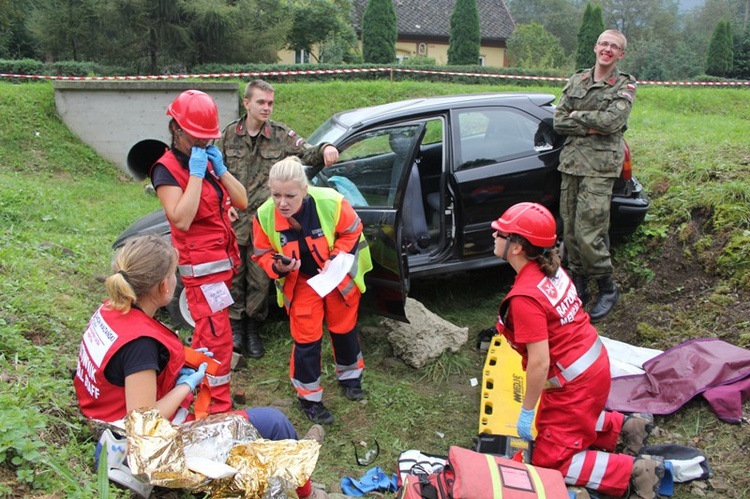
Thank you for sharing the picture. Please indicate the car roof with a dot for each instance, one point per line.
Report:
(354, 118)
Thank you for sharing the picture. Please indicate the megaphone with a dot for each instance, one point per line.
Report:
(143, 155)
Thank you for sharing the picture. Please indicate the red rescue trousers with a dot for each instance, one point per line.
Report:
(213, 331)
(571, 423)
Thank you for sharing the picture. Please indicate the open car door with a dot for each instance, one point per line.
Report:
(372, 172)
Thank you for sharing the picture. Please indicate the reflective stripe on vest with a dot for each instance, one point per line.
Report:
(578, 367)
(207, 268)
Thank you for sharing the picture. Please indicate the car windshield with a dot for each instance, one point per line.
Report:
(330, 131)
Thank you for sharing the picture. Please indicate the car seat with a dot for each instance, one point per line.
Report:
(416, 233)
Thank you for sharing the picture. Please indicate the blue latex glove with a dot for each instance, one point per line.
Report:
(525, 420)
(205, 351)
(217, 160)
(192, 377)
(198, 162)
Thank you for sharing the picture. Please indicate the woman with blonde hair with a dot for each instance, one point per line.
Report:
(297, 234)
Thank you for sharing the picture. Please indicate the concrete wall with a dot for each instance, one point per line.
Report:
(112, 116)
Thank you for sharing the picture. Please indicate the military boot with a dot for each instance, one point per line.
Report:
(635, 431)
(581, 283)
(253, 344)
(238, 335)
(608, 297)
(646, 476)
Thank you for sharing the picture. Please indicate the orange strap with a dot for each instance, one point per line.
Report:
(194, 359)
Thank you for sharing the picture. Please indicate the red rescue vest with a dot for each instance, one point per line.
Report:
(107, 332)
(210, 242)
(570, 332)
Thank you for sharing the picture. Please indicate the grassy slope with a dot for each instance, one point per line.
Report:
(61, 206)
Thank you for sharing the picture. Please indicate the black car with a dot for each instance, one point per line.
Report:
(428, 176)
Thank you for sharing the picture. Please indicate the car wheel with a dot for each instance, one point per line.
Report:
(178, 308)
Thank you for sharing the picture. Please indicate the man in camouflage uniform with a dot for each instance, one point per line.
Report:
(593, 113)
(251, 145)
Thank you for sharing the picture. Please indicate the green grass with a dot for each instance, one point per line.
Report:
(61, 206)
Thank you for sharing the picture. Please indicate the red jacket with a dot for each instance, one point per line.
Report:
(210, 237)
(569, 331)
(107, 332)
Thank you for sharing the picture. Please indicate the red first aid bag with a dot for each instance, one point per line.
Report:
(473, 475)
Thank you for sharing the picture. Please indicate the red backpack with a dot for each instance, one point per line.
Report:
(473, 475)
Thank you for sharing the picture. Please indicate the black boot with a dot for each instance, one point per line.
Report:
(253, 344)
(238, 334)
(581, 283)
(608, 297)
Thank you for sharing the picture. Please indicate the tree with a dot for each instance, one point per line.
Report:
(591, 27)
(318, 21)
(719, 57)
(533, 47)
(561, 18)
(741, 63)
(379, 32)
(465, 38)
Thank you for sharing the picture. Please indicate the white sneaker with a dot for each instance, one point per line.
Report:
(117, 468)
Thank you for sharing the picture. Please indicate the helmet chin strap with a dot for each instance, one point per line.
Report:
(507, 246)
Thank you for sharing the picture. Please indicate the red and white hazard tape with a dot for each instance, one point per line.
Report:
(257, 74)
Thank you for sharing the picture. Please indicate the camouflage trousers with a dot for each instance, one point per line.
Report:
(584, 208)
(249, 289)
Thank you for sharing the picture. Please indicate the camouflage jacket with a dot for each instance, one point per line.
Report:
(604, 106)
(251, 164)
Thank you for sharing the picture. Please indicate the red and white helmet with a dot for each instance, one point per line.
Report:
(530, 220)
(196, 113)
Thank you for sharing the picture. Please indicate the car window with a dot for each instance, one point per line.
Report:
(491, 135)
(371, 164)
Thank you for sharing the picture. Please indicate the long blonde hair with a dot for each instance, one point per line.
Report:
(138, 267)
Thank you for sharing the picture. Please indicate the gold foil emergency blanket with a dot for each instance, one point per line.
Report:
(158, 453)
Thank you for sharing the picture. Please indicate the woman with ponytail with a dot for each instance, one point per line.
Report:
(567, 367)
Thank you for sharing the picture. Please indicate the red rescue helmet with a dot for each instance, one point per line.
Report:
(196, 113)
(530, 220)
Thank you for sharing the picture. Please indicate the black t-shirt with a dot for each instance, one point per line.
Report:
(142, 354)
(160, 175)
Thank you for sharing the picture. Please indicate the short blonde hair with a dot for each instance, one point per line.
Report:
(138, 267)
(289, 169)
(618, 34)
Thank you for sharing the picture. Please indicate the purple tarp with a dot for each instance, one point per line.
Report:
(682, 372)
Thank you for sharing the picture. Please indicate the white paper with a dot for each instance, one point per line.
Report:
(337, 270)
(211, 469)
(217, 295)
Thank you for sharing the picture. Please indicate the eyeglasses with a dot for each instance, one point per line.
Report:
(611, 45)
(499, 234)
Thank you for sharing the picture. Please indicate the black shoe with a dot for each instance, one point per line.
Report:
(608, 297)
(253, 344)
(353, 392)
(238, 335)
(581, 283)
(316, 411)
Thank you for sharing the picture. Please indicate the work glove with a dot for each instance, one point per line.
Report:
(198, 162)
(205, 351)
(525, 420)
(192, 377)
(217, 160)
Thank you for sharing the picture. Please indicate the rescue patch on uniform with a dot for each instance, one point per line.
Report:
(621, 105)
(299, 141)
(627, 95)
(292, 133)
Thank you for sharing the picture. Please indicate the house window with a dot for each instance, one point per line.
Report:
(301, 57)
(401, 58)
(482, 60)
(422, 49)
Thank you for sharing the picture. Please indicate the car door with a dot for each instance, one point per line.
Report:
(497, 162)
(371, 170)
